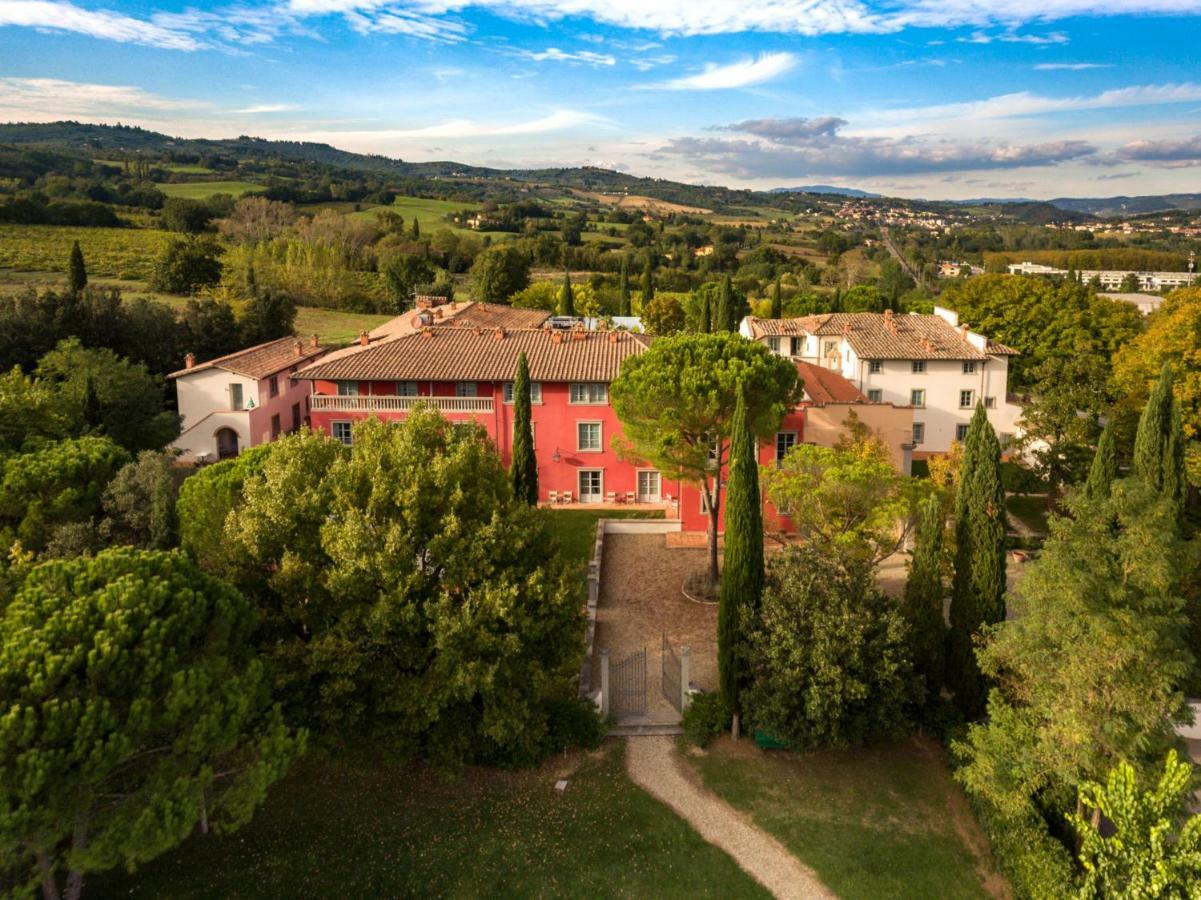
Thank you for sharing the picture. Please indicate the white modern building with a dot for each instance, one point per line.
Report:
(1112, 279)
(930, 362)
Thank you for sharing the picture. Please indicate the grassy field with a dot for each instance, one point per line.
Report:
(199, 190)
(117, 252)
(372, 827)
(577, 528)
(882, 821)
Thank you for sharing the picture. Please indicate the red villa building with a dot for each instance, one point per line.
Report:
(461, 360)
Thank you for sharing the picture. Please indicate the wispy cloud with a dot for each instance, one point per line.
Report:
(38, 98)
(558, 120)
(554, 54)
(1009, 37)
(1172, 154)
(734, 75)
(265, 109)
(1070, 67)
(58, 15)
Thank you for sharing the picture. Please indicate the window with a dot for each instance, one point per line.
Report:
(535, 391)
(969, 368)
(592, 485)
(876, 366)
(276, 428)
(961, 433)
(990, 402)
(406, 389)
(773, 344)
(588, 436)
(465, 388)
(595, 393)
(785, 441)
(295, 416)
(796, 346)
(919, 367)
(917, 397)
(341, 432)
(649, 485)
(348, 388)
(875, 395)
(919, 432)
(967, 399)
(235, 396)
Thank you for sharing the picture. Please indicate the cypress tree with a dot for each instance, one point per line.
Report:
(77, 272)
(1104, 470)
(836, 304)
(722, 319)
(742, 573)
(623, 307)
(923, 603)
(523, 471)
(566, 297)
(777, 303)
(648, 284)
(92, 414)
(978, 587)
(706, 315)
(416, 232)
(1159, 443)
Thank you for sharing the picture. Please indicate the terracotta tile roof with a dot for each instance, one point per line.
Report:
(884, 336)
(482, 315)
(262, 360)
(827, 386)
(469, 354)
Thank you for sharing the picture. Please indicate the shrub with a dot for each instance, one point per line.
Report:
(573, 724)
(1037, 866)
(186, 265)
(706, 717)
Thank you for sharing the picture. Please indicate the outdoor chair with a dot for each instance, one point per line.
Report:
(611, 497)
(552, 496)
(565, 497)
(631, 497)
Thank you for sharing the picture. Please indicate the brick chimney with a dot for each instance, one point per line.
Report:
(556, 337)
(364, 340)
(189, 361)
(299, 347)
(313, 342)
(614, 337)
(427, 334)
(499, 334)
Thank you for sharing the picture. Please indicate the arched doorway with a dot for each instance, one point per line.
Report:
(227, 443)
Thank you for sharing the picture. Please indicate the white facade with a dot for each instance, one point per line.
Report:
(207, 404)
(1112, 279)
(943, 392)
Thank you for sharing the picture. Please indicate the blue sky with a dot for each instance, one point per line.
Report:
(922, 98)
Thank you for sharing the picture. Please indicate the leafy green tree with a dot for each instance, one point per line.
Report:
(724, 302)
(139, 503)
(77, 271)
(1061, 423)
(206, 498)
(267, 316)
(925, 593)
(124, 401)
(1104, 469)
(210, 329)
(415, 231)
(187, 265)
(566, 299)
(133, 709)
(523, 470)
(1155, 847)
(623, 291)
(1089, 666)
(893, 282)
(742, 564)
(403, 272)
(498, 273)
(664, 315)
(777, 303)
(1159, 443)
(978, 586)
(847, 500)
(32, 410)
(676, 404)
(429, 610)
(829, 659)
(55, 486)
(1130, 284)
(185, 215)
(648, 283)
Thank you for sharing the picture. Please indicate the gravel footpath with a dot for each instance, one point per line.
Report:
(652, 765)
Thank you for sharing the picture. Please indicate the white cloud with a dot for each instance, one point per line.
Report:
(265, 109)
(734, 75)
(554, 54)
(58, 15)
(1070, 67)
(40, 98)
(558, 120)
(1009, 37)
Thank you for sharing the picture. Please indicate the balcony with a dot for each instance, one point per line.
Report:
(362, 404)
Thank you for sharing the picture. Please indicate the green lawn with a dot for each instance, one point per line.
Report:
(370, 827)
(881, 821)
(199, 190)
(1032, 510)
(577, 528)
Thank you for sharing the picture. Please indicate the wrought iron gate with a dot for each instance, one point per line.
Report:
(671, 674)
(627, 686)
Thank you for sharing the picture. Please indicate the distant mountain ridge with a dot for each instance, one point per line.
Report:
(77, 136)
